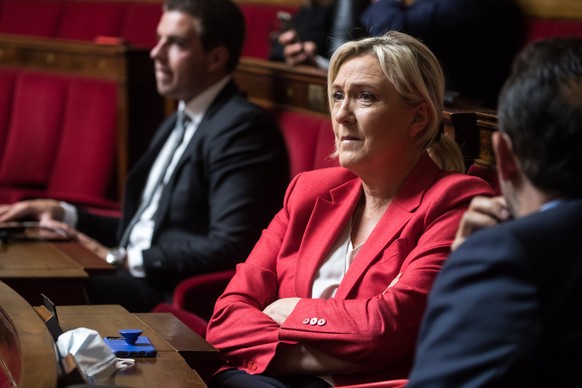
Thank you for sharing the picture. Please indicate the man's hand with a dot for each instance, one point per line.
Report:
(297, 52)
(483, 212)
(280, 309)
(90, 244)
(38, 209)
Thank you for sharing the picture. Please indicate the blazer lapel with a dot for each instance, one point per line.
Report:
(327, 220)
(397, 215)
(139, 173)
(207, 124)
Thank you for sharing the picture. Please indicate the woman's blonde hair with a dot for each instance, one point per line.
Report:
(417, 76)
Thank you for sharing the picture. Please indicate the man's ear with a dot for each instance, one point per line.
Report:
(507, 164)
(217, 58)
(420, 118)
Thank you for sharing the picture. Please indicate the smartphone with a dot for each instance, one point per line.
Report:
(142, 347)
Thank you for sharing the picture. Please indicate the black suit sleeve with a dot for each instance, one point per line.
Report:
(102, 228)
(237, 173)
(483, 319)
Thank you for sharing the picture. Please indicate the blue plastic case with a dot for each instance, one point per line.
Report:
(142, 347)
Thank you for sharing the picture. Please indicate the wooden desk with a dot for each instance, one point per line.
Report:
(174, 342)
(27, 355)
(59, 270)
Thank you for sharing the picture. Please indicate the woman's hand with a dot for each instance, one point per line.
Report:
(483, 212)
(280, 309)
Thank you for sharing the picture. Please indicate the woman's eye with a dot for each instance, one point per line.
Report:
(367, 97)
(337, 96)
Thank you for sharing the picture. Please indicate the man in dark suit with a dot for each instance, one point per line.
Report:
(212, 178)
(505, 310)
(475, 40)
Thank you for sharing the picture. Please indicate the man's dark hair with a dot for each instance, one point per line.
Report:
(540, 109)
(221, 23)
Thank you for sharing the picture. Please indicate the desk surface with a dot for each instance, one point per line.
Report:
(57, 269)
(171, 338)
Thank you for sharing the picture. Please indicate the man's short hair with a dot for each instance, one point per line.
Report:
(221, 24)
(540, 109)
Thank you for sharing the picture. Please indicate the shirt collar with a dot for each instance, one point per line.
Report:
(552, 204)
(196, 107)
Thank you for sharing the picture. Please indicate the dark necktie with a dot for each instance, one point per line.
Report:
(179, 129)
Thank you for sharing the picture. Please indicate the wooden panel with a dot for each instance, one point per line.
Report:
(487, 124)
(25, 336)
(274, 84)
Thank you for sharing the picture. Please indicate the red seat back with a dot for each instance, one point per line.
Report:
(31, 17)
(140, 24)
(325, 147)
(35, 129)
(261, 21)
(7, 81)
(88, 20)
(86, 158)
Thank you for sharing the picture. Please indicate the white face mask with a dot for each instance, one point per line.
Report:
(95, 359)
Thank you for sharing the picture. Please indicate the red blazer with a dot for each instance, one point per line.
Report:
(375, 315)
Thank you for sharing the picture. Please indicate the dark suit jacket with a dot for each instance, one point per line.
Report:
(506, 309)
(225, 189)
(475, 40)
(374, 317)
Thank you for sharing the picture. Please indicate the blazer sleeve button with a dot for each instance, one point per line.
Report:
(321, 322)
(306, 321)
(313, 321)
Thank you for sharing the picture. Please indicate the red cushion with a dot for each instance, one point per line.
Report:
(140, 24)
(31, 17)
(538, 28)
(261, 22)
(85, 20)
(86, 158)
(211, 285)
(35, 129)
(7, 80)
(300, 131)
(325, 146)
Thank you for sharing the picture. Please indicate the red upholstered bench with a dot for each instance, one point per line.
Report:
(133, 21)
(538, 28)
(60, 140)
(34, 132)
(262, 23)
(308, 147)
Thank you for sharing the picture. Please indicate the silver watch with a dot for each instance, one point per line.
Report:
(116, 256)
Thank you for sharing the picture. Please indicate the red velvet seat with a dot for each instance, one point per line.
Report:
(538, 28)
(261, 21)
(7, 81)
(31, 17)
(194, 298)
(34, 131)
(300, 132)
(140, 23)
(325, 146)
(84, 168)
(86, 20)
